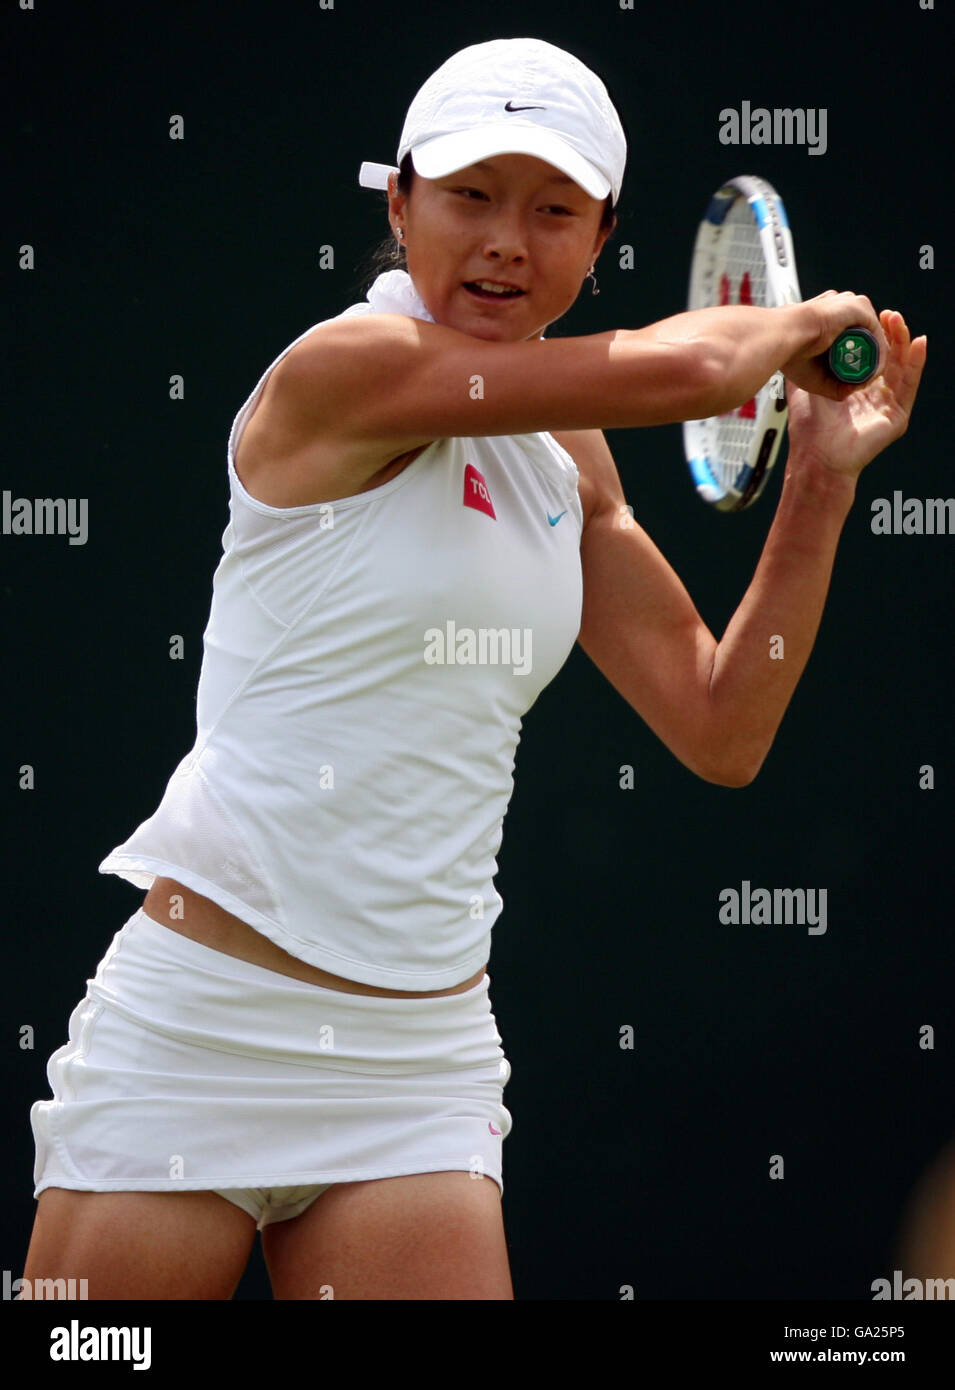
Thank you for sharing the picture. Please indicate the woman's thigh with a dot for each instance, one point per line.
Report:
(424, 1236)
(149, 1245)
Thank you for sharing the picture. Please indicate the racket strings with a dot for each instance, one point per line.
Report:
(739, 278)
(744, 259)
(743, 255)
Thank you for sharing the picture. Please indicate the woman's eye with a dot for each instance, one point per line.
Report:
(470, 194)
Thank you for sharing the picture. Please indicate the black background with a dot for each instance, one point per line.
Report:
(646, 1167)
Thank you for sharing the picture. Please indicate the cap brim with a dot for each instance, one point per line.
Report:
(375, 175)
(447, 153)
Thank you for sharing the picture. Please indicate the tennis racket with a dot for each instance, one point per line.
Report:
(744, 255)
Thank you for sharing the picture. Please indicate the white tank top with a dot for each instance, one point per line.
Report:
(366, 666)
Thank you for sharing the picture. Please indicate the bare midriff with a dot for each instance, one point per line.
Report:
(205, 921)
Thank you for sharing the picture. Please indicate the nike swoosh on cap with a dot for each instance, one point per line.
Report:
(509, 107)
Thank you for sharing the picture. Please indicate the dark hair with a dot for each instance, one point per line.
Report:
(390, 254)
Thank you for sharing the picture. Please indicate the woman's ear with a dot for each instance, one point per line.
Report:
(602, 237)
(396, 204)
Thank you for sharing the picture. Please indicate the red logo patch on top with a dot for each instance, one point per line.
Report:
(476, 492)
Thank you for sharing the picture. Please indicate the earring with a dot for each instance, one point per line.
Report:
(401, 233)
(592, 276)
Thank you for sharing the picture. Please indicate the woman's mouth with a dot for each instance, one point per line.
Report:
(480, 290)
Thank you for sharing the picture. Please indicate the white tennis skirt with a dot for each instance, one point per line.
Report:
(187, 1069)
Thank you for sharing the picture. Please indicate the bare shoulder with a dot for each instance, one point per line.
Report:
(599, 487)
(287, 457)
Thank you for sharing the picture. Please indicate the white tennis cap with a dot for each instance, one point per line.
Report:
(512, 96)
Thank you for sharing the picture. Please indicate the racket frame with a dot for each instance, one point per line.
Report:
(741, 490)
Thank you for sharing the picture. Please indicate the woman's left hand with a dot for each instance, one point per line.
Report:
(846, 435)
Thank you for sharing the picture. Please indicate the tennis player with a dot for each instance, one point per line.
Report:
(293, 1033)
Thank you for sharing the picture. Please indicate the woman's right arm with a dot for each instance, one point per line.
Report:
(394, 382)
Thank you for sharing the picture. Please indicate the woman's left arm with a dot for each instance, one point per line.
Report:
(717, 706)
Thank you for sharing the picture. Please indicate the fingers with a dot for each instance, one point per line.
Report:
(911, 351)
(909, 360)
(900, 358)
(894, 393)
(858, 310)
(895, 327)
(877, 325)
(896, 330)
(908, 353)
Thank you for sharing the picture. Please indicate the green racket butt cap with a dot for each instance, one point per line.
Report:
(854, 356)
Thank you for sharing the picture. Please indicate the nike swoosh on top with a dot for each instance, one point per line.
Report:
(554, 519)
(492, 1129)
(509, 107)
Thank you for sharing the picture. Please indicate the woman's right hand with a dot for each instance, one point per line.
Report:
(832, 312)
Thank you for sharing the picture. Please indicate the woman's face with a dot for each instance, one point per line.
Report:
(511, 218)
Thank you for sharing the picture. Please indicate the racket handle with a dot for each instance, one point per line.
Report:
(854, 356)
